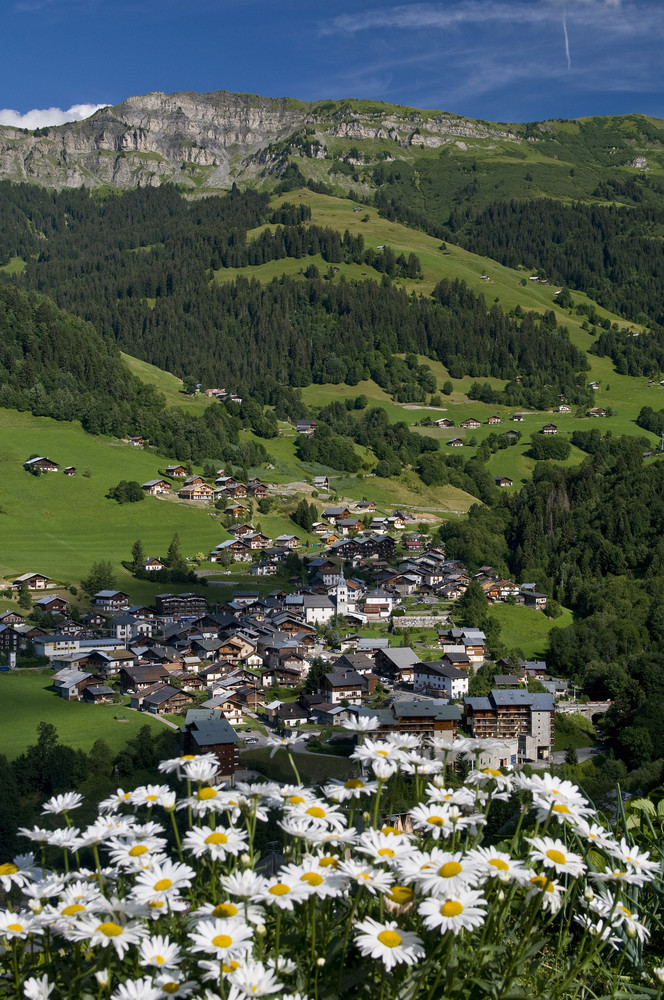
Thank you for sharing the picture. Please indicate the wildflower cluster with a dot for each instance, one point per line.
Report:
(166, 895)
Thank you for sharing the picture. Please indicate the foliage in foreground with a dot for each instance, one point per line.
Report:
(503, 887)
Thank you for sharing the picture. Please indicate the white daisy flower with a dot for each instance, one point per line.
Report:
(492, 778)
(38, 989)
(387, 942)
(105, 828)
(549, 892)
(162, 883)
(174, 764)
(434, 819)
(19, 872)
(422, 766)
(149, 795)
(115, 801)
(637, 860)
(253, 979)
(319, 813)
(361, 723)
(498, 864)
(36, 833)
(620, 914)
(226, 910)
(221, 938)
(372, 750)
(625, 875)
(44, 888)
(137, 854)
(283, 891)
(595, 834)
(62, 803)
(450, 873)
(462, 910)
(322, 881)
(384, 847)
(375, 880)
(202, 768)
(281, 742)
(66, 838)
(403, 741)
(244, 884)
(353, 788)
(137, 989)
(218, 843)
(107, 933)
(599, 928)
(554, 854)
(174, 985)
(560, 810)
(17, 925)
(159, 953)
(384, 769)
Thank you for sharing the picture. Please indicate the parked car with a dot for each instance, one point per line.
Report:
(252, 740)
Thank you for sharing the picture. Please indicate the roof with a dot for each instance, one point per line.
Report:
(162, 694)
(401, 657)
(431, 708)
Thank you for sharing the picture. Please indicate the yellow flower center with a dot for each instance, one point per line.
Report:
(17, 928)
(155, 904)
(8, 869)
(188, 756)
(450, 869)
(627, 912)
(222, 941)
(390, 939)
(364, 876)
(312, 878)
(560, 807)
(170, 987)
(296, 800)
(159, 959)
(388, 829)
(401, 894)
(70, 911)
(162, 885)
(280, 889)
(206, 793)
(216, 838)
(492, 771)
(110, 929)
(230, 966)
(316, 812)
(354, 783)
(542, 883)
(225, 910)
(136, 852)
(329, 862)
(451, 908)
(436, 820)
(126, 796)
(498, 863)
(382, 753)
(151, 798)
(557, 857)
(386, 852)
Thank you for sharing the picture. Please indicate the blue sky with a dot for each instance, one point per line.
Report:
(505, 60)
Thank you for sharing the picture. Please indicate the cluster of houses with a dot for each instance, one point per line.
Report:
(40, 463)
(195, 487)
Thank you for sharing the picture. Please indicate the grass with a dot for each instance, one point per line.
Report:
(312, 770)
(573, 731)
(168, 384)
(527, 629)
(60, 525)
(26, 700)
(16, 265)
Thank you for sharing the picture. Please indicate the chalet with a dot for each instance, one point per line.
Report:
(532, 599)
(225, 481)
(263, 569)
(154, 487)
(98, 694)
(494, 420)
(343, 685)
(366, 506)
(108, 662)
(287, 541)
(166, 699)
(239, 530)
(511, 435)
(420, 716)
(397, 663)
(10, 638)
(136, 442)
(440, 678)
(455, 443)
(281, 677)
(549, 429)
(193, 481)
(593, 385)
(321, 483)
(332, 513)
(40, 464)
(199, 491)
(136, 678)
(153, 565)
(52, 605)
(256, 540)
(471, 424)
(259, 490)
(444, 422)
(111, 600)
(33, 581)
(503, 481)
(500, 590)
(347, 524)
(318, 609)
(93, 620)
(69, 684)
(11, 618)
(176, 471)
(596, 411)
(517, 417)
(70, 470)
(307, 427)
(238, 491)
(564, 408)
(227, 707)
(290, 715)
(128, 627)
(175, 605)
(205, 732)
(141, 611)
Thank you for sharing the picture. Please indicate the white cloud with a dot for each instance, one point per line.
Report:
(39, 117)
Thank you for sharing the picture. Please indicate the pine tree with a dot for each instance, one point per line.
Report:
(137, 555)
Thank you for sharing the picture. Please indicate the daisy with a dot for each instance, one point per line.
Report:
(19, 872)
(105, 828)
(600, 929)
(319, 813)
(384, 769)
(37, 834)
(421, 766)
(114, 801)
(221, 938)
(560, 810)
(433, 819)
(17, 925)
(375, 880)
(450, 873)
(174, 764)
(281, 742)
(322, 881)
(162, 882)
(620, 914)
(137, 854)
(459, 911)
(491, 777)
(149, 795)
(218, 844)
(637, 860)
(498, 864)
(173, 985)
(595, 834)
(403, 741)
(38, 989)
(353, 788)
(437, 792)
(201, 769)
(107, 932)
(137, 989)
(44, 888)
(371, 750)
(400, 899)
(361, 723)
(385, 847)
(283, 891)
(253, 979)
(625, 875)
(159, 953)
(62, 803)
(227, 910)
(65, 838)
(554, 854)
(387, 942)
(245, 884)
(548, 892)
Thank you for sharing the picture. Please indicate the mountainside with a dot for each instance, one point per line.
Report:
(210, 140)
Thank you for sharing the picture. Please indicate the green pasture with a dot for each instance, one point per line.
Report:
(26, 699)
(168, 384)
(526, 629)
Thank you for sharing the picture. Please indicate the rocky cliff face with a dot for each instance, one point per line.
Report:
(203, 140)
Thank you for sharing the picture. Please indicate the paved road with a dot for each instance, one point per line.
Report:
(558, 757)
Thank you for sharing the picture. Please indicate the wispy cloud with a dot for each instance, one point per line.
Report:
(39, 117)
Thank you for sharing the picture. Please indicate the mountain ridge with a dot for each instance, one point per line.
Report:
(208, 141)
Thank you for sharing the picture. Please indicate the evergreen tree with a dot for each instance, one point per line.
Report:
(137, 555)
(100, 577)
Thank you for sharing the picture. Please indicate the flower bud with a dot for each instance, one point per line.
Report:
(501, 896)
(35, 905)
(438, 781)
(588, 894)
(103, 977)
(320, 962)
(658, 973)
(245, 859)
(366, 816)
(261, 930)
(630, 930)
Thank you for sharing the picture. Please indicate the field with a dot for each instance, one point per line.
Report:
(59, 525)
(26, 700)
(526, 629)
